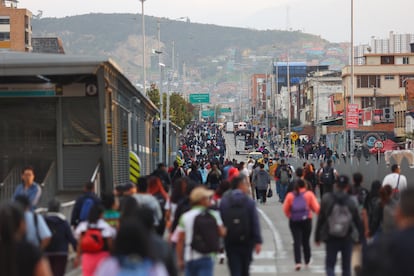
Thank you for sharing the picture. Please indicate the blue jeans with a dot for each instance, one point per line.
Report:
(199, 267)
(332, 248)
(278, 188)
(239, 258)
(283, 191)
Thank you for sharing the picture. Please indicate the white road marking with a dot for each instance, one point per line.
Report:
(277, 239)
(263, 269)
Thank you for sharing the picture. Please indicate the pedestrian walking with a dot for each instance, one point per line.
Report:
(111, 213)
(162, 173)
(145, 199)
(84, 204)
(214, 178)
(57, 250)
(132, 253)
(262, 181)
(298, 207)
(18, 256)
(156, 189)
(392, 254)
(199, 231)
(396, 180)
(95, 238)
(328, 177)
(37, 231)
(338, 226)
(241, 220)
(29, 187)
(284, 175)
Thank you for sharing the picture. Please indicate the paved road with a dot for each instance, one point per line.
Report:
(277, 255)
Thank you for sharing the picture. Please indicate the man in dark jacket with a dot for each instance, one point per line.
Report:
(240, 241)
(162, 173)
(88, 195)
(62, 236)
(328, 227)
(393, 254)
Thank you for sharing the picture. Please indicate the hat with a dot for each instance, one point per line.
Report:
(200, 193)
(343, 181)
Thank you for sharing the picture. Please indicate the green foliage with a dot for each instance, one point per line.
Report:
(181, 112)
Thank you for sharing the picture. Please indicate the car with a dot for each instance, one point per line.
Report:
(255, 155)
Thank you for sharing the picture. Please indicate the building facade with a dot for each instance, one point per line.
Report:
(15, 27)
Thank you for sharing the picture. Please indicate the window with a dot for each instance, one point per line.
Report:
(406, 60)
(368, 81)
(4, 20)
(4, 36)
(387, 59)
(379, 103)
(403, 78)
(388, 77)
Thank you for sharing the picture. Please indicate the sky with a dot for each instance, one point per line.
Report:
(328, 18)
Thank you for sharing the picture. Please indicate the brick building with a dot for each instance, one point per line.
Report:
(15, 27)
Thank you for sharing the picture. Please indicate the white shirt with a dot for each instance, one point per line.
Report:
(392, 180)
(107, 230)
(186, 225)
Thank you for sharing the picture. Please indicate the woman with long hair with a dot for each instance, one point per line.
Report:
(156, 189)
(298, 207)
(94, 240)
(132, 253)
(17, 256)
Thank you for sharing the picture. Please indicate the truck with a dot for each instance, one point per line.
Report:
(229, 127)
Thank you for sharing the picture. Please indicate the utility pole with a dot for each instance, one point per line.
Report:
(144, 65)
(289, 105)
(167, 125)
(352, 73)
(161, 66)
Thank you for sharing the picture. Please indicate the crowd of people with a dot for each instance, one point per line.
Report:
(203, 209)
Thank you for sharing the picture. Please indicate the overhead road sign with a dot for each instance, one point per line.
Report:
(207, 113)
(200, 98)
(225, 110)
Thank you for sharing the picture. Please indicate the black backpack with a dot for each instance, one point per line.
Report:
(237, 222)
(206, 237)
(328, 176)
(54, 224)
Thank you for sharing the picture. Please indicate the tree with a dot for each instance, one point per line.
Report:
(181, 112)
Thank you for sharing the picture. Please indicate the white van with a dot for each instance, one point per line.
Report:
(229, 127)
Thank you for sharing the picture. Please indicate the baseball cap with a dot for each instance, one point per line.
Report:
(199, 193)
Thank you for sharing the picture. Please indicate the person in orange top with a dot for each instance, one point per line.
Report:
(298, 207)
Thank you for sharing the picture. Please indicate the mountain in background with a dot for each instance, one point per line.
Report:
(197, 46)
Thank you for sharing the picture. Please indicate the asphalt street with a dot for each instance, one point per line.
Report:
(276, 257)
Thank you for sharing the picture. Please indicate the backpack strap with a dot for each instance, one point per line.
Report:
(36, 225)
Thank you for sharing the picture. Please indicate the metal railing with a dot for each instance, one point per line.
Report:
(49, 184)
(96, 179)
(10, 182)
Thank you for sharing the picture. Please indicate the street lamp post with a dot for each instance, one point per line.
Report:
(289, 105)
(143, 48)
(352, 73)
(167, 125)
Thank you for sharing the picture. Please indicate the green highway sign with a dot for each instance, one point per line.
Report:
(207, 113)
(225, 110)
(200, 98)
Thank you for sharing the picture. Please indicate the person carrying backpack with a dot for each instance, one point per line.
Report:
(241, 220)
(62, 236)
(338, 226)
(83, 205)
(298, 207)
(132, 253)
(283, 175)
(94, 237)
(328, 177)
(199, 232)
